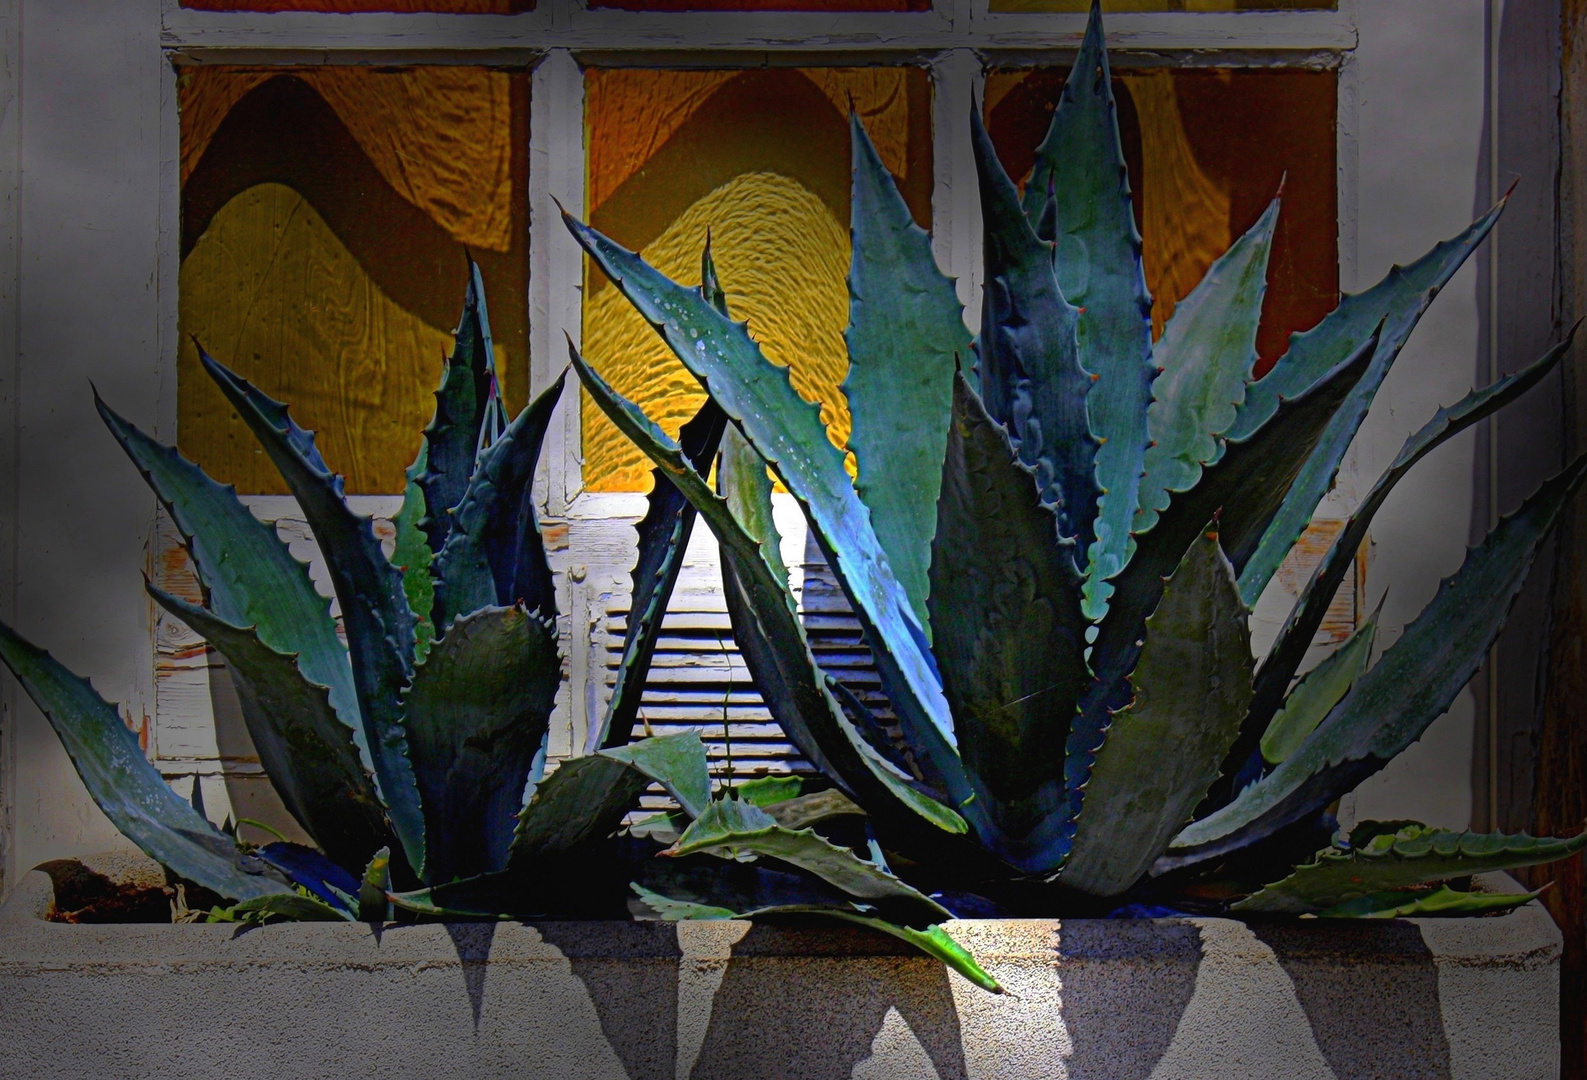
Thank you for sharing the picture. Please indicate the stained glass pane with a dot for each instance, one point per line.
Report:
(326, 218)
(1161, 5)
(761, 160)
(445, 7)
(1207, 149)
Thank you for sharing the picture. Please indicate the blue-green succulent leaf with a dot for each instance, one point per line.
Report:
(787, 431)
(676, 762)
(1027, 354)
(1411, 855)
(1314, 697)
(1080, 182)
(765, 619)
(664, 534)
(131, 792)
(1206, 354)
(249, 576)
(1239, 489)
(1440, 903)
(477, 713)
(1289, 648)
(306, 751)
(412, 555)
(1192, 688)
(583, 800)
(933, 940)
(734, 829)
(1400, 298)
(375, 888)
(1390, 706)
(1005, 598)
(494, 555)
(315, 872)
(463, 403)
(906, 335)
(380, 628)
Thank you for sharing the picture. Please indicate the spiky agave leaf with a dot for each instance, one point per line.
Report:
(412, 556)
(1028, 354)
(664, 534)
(131, 792)
(1412, 854)
(463, 403)
(1080, 184)
(1318, 691)
(1390, 706)
(380, 628)
(767, 626)
(735, 829)
(586, 797)
(906, 335)
(1005, 597)
(495, 555)
(1191, 690)
(249, 576)
(477, 714)
(1237, 490)
(1206, 355)
(1289, 649)
(306, 751)
(1442, 902)
(312, 870)
(787, 431)
(933, 940)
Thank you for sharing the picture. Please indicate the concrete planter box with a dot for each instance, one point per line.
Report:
(1206, 998)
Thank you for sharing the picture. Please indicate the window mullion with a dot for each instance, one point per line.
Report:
(556, 175)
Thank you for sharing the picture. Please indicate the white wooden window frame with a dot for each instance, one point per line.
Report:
(957, 42)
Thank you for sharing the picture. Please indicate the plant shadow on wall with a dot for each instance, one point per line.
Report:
(1053, 540)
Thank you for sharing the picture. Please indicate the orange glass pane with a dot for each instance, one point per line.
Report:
(1207, 149)
(1110, 6)
(761, 160)
(326, 218)
(443, 7)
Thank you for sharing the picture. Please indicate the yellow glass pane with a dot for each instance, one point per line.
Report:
(761, 160)
(326, 219)
(1110, 6)
(1207, 149)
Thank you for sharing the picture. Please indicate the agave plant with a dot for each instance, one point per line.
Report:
(415, 754)
(1054, 538)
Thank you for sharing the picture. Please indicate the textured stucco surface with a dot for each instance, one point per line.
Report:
(1161, 998)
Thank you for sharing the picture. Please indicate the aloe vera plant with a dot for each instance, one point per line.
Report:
(1053, 542)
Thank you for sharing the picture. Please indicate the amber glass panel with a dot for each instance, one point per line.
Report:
(1207, 150)
(1162, 5)
(761, 159)
(444, 7)
(326, 218)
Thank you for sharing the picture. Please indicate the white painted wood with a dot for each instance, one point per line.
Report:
(296, 38)
(957, 79)
(556, 176)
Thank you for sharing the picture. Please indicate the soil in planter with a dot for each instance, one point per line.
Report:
(84, 895)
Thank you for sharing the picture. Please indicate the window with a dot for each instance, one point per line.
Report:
(335, 167)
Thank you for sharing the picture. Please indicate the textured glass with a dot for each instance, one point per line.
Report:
(1207, 150)
(761, 160)
(326, 218)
